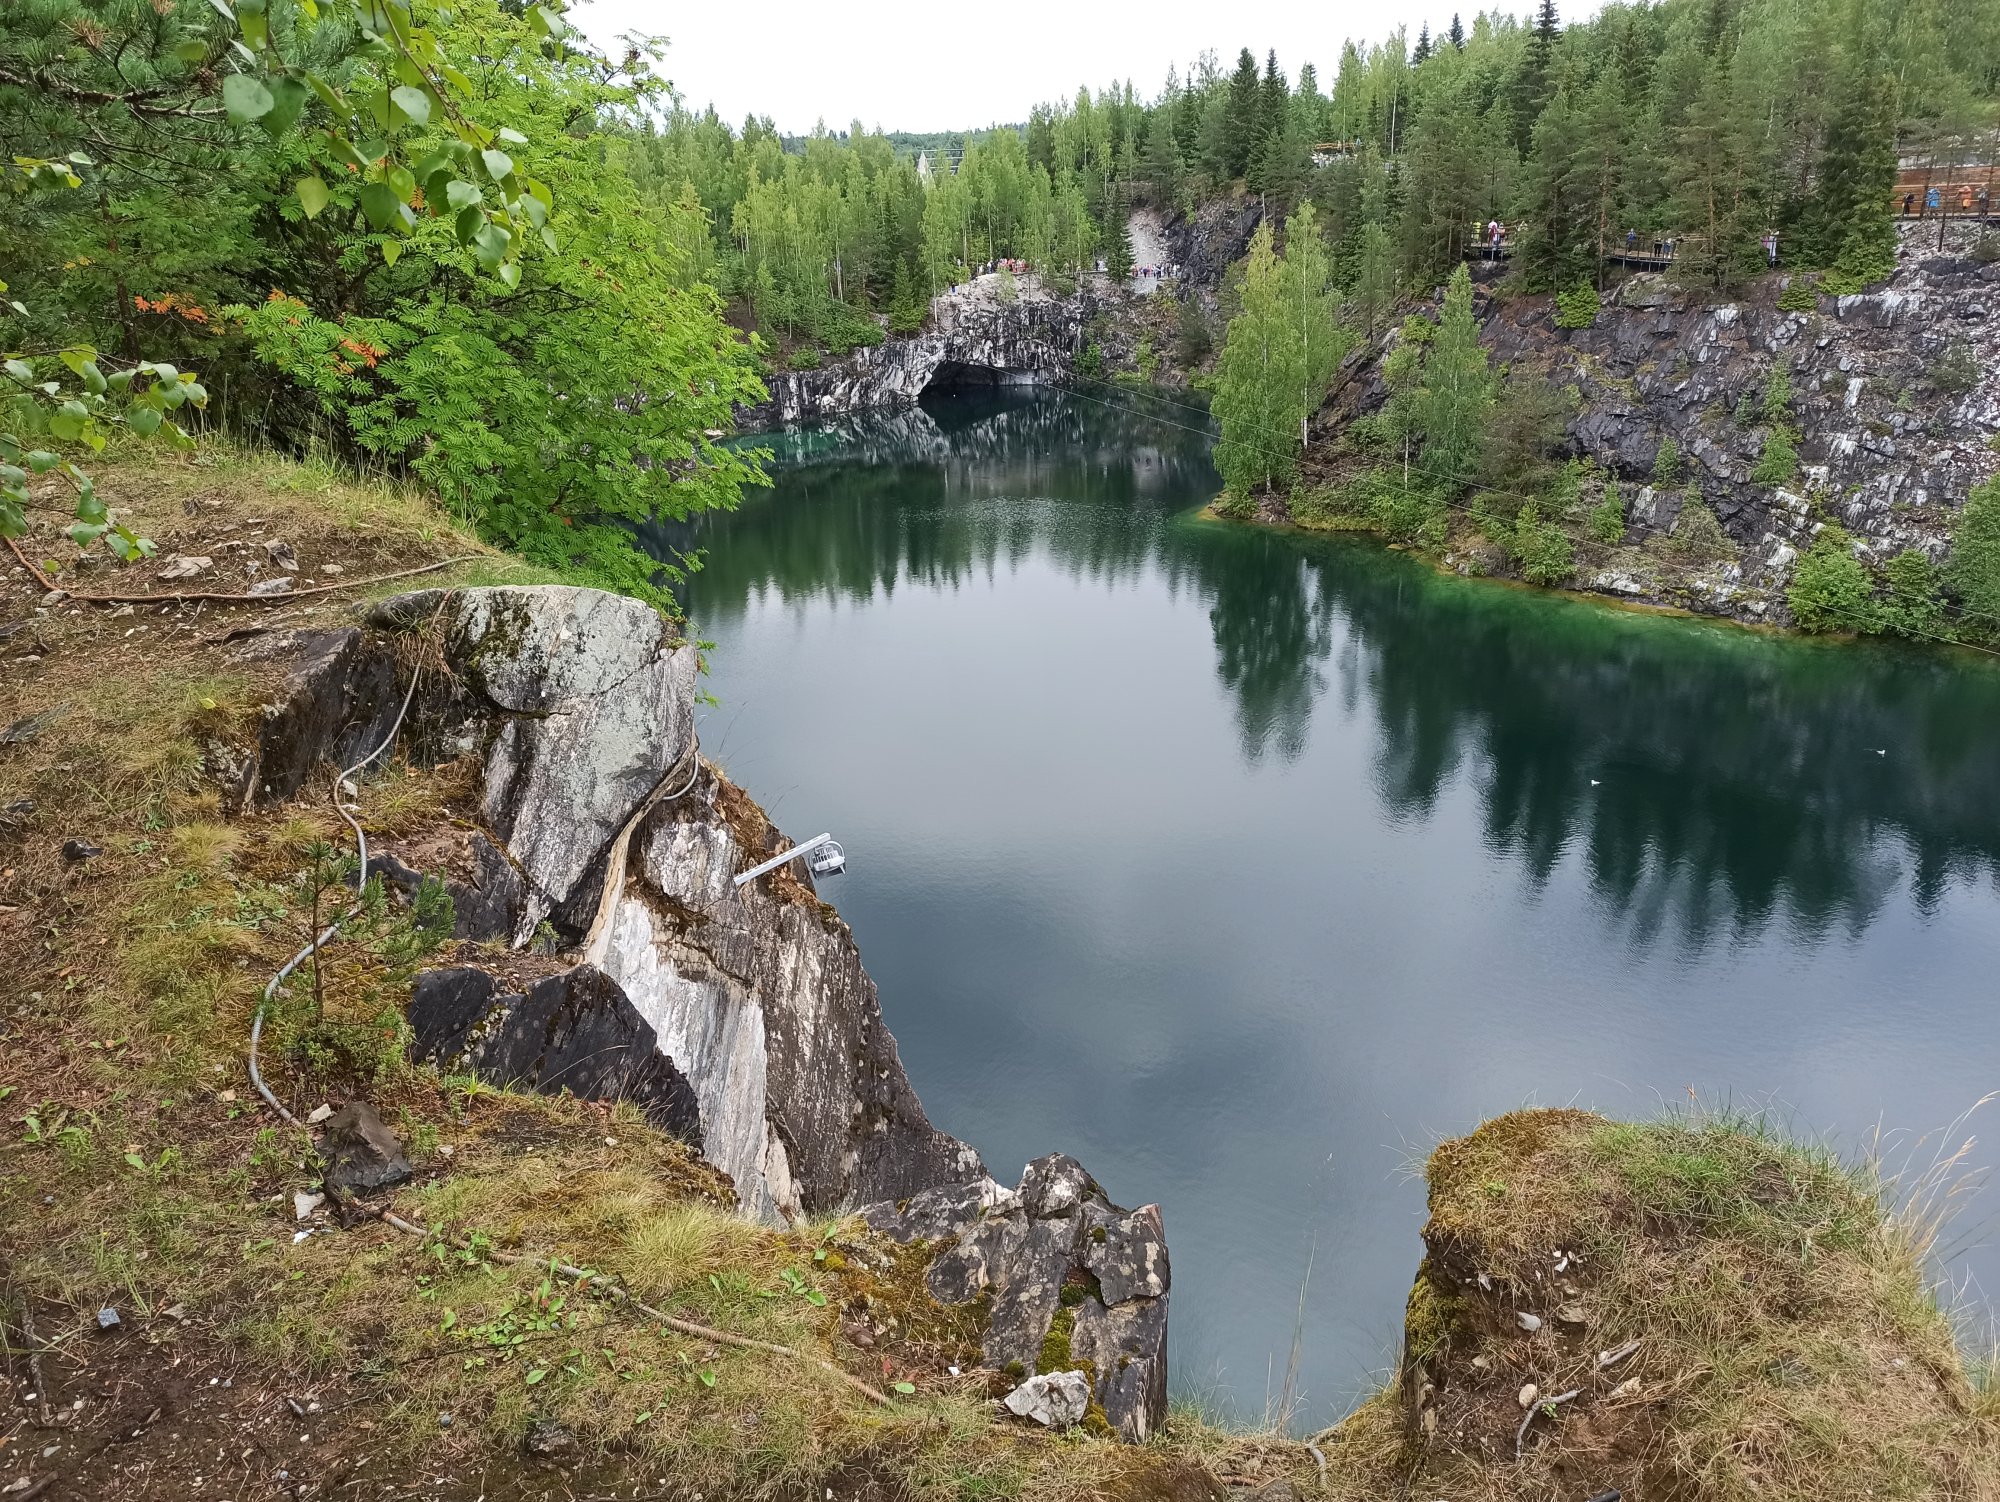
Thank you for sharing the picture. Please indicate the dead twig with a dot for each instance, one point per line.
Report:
(181, 597)
(1548, 1405)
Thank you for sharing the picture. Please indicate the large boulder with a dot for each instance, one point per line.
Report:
(758, 994)
(1074, 1282)
(581, 701)
(573, 1030)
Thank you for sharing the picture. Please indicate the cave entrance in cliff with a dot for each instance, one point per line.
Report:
(951, 377)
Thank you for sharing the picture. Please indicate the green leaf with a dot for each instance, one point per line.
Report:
(77, 358)
(414, 103)
(93, 379)
(40, 461)
(136, 1161)
(223, 6)
(191, 51)
(392, 252)
(256, 26)
(490, 245)
(290, 95)
(512, 136)
(67, 421)
(381, 205)
(510, 273)
(313, 196)
(461, 194)
(906, 1388)
(145, 421)
(468, 222)
(21, 371)
(402, 182)
(83, 534)
(537, 1374)
(246, 98)
(497, 163)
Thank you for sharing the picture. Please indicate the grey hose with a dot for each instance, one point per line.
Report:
(361, 848)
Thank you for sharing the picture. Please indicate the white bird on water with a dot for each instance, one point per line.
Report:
(1593, 782)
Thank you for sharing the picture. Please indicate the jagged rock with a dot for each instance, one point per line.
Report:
(758, 995)
(1030, 338)
(1022, 1248)
(1055, 1400)
(486, 904)
(283, 555)
(281, 585)
(336, 704)
(574, 1031)
(78, 851)
(360, 1152)
(582, 702)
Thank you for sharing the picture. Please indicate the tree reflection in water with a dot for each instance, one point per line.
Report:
(1740, 779)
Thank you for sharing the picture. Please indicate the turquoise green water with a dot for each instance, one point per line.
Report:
(1243, 865)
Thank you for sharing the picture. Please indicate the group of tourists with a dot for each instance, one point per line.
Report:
(1964, 200)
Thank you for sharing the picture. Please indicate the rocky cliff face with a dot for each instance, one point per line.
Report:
(974, 336)
(1895, 394)
(738, 1018)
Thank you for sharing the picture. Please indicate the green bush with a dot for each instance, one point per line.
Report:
(1913, 607)
(805, 359)
(1779, 462)
(1777, 393)
(1974, 570)
(1830, 590)
(1987, 250)
(1667, 466)
(1233, 507)
(1541, 548)
(1607, 518)
(1699, 538)
(1956, 371)
(1578, 308)
(1800, 296)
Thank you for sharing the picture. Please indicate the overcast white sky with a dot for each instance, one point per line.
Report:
(904, 65)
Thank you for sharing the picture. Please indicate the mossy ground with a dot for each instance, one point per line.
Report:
(138, 1170)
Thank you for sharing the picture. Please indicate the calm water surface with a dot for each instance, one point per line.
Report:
(1244, 865)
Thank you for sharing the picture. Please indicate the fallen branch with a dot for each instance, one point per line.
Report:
(682, 1326)
(35, 1361)
(1550, 1404)
(182, 597)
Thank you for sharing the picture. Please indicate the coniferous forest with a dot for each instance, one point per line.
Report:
(399, 238)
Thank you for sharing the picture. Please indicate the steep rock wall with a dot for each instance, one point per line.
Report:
(1034, 337)
(1887, 448)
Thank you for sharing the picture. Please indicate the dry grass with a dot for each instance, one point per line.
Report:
(1789, 1346)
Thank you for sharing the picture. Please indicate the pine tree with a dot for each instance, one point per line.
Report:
(1241, 117)
(1554, 250)
(1423, 52)
(1848, 218)
(1456, 36)
(1117, 235)
(1374, 283)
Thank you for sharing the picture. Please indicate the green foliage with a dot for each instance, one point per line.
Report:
(1801, 295)
(1974, 569)
(1830, 590)
(1779, 463)
(1698, 537)
(1234, 507)
(1956, 371)
(1541, 548)
(1607, 518)
(1777, 401)
(1667, 464)
(1278, 357)
(1457, 391)
(806, 358)
(1192, 340)
(1914, 606)
(1578, 307)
